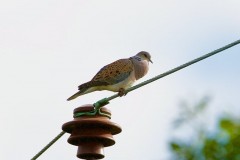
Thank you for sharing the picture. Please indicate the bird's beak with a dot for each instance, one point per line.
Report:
(150, 61)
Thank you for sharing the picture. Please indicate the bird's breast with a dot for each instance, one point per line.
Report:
(140, 68)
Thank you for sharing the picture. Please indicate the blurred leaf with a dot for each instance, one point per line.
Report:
(227, 125)
(175, 146)
(202, 104)
(189, 113)
(178, 122)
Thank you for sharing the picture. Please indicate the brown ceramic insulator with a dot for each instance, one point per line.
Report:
(91, 133)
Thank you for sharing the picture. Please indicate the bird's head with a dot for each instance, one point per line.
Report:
(145, 56)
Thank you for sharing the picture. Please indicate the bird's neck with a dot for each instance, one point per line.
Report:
(140, 67)
(136, 58)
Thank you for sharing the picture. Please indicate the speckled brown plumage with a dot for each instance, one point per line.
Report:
(110, 74)
(113, 70)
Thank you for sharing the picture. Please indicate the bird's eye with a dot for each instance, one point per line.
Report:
(145, 55)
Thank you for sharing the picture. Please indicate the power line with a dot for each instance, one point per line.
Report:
(105, 101)
(48, 145)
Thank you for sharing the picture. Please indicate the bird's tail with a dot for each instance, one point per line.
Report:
(84, 89)
(79, 93)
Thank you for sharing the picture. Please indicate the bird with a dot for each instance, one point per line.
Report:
(117, 76)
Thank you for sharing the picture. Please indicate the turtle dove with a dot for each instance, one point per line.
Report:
(117, 76)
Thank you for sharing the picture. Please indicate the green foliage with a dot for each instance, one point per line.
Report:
(221, 144)
(225, 144)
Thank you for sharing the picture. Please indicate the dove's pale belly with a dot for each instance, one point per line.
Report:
(128, 82)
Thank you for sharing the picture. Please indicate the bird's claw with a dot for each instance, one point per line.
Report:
(122, 92)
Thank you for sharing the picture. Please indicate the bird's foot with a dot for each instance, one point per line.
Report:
(122, 92)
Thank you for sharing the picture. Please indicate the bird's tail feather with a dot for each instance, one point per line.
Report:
(86, 88)
(79, 93)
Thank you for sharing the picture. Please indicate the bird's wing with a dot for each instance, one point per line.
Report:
(110, 74)
(114, 73)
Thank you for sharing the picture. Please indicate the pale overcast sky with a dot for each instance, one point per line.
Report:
(49, 47)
